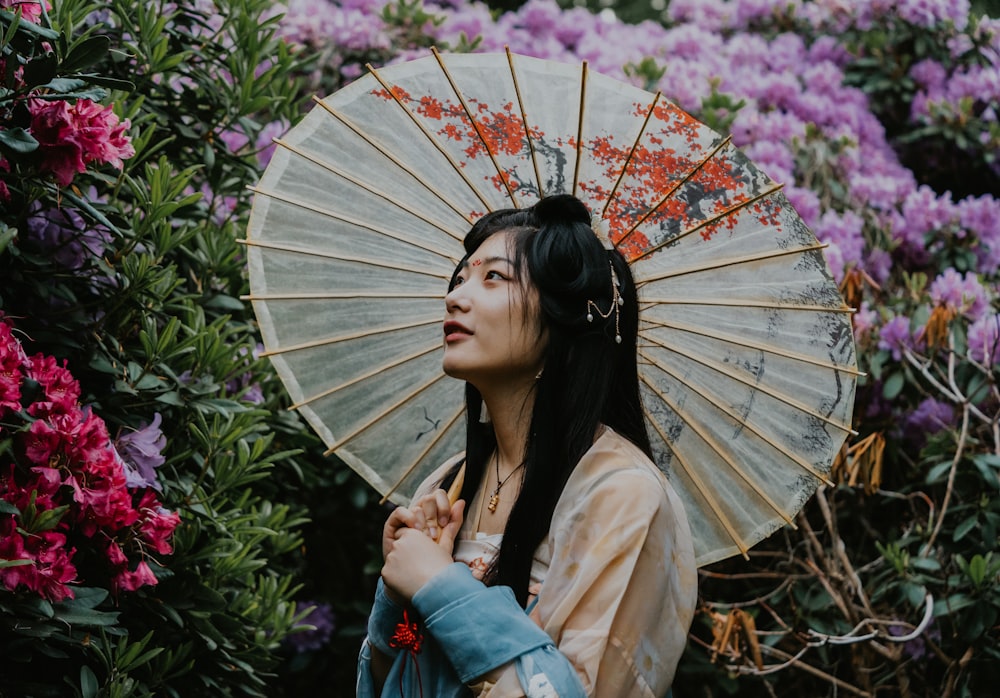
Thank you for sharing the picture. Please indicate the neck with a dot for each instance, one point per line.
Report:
(510, 411)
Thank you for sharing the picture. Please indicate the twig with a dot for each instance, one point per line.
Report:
(959, 450)
(955, 396)
(794, 661)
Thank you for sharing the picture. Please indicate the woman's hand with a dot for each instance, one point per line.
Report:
(413, 558)
(430, 514)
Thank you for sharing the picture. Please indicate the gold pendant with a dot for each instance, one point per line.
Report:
(494, 500)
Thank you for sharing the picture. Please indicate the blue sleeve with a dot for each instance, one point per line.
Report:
(480, 628)
(385, 616)
(382, 621)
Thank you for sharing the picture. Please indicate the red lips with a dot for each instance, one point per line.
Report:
(452, 330)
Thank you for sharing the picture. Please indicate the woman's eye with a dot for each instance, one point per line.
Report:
(493, 274)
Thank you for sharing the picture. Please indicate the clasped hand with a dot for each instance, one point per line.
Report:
(418, 542)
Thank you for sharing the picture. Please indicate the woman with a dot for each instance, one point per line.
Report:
(571, 572)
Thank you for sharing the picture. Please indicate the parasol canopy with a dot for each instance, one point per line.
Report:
(746, 353)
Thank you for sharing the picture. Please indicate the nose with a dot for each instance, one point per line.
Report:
(456, 299)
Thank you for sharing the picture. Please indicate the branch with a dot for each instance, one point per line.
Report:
(951, 480)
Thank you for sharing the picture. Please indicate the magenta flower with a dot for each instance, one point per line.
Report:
(13, 361)
(64, 461)
(73, 135)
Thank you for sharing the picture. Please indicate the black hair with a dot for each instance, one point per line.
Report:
(588, 379)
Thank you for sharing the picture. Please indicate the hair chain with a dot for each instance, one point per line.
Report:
(616, 302)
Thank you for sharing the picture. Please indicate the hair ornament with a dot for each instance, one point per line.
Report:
(600, 229)
(616, 302)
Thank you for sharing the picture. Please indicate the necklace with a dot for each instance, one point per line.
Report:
(495, 497)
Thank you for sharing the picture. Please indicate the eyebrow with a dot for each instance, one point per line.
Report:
(488, 260)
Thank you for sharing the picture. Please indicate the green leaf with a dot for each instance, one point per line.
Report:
(6, 236)
(893, 385)
(88, 682)
(39, 71)
(86, 53)
(17, 140)
(105, 81)
(8, 508)
(963, 528)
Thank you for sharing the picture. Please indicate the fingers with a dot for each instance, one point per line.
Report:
(436, 512)
(450, 531)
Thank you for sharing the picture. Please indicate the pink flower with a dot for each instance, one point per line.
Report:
(132, 580)
(71, 136)
(13, 361)
(157, 524)
(51, 568)
(31, 10)
(62, 391)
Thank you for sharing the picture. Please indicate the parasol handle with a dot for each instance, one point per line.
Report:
(456, 487)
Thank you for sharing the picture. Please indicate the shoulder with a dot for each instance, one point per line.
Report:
(616, 464)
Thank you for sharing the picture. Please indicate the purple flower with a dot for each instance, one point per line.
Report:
(865, 320)
(960, 293)
(984, 340)
(930, 417)
(325, 622)
(140, 454)
(895, 336)
(70, 240)
(842, 232)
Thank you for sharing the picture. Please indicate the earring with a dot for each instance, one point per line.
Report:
(484, 414)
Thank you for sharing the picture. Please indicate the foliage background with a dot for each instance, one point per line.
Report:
(880, 117)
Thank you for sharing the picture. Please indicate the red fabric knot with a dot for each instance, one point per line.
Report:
(407, 635)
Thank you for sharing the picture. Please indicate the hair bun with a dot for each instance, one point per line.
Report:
(561, 208)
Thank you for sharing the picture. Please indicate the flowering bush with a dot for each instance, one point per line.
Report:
(69, 487)
(128, 132)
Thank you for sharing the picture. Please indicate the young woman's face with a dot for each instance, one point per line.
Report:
(491, 327)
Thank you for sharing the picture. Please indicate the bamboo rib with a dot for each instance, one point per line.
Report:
(631, 152)
(524, 118)
(805, 409)
(728, 262)
(365, 376)
(430, 137)
(423, 454)
(475, 125)
(760, 346)
(292, 201)
(699, 485)
(714, 445)
(362, 185)
(579, 125)
(353, 335)
(352, 295)
(718, 217)
(373, 142)
(343, 258)
(381, 415)
(677, 185)
(736, 303)
(739, 419)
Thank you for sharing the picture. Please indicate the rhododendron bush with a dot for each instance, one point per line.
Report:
(143, 550)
